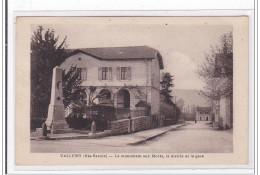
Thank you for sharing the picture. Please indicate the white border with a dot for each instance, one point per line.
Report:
(122, 169)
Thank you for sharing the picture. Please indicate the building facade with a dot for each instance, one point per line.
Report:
(204, 114)
(126, 75)
(224, 109)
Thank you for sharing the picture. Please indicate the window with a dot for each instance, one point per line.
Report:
(104, 73)
(82, 73)
(79, 71)
(123, 73)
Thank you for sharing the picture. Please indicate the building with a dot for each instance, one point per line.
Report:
(224, 105)
(204, 113)
(126, 75)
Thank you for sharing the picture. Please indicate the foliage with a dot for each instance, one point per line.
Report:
(180, 103)
(71, 84)
(166, 85)
(36, 123)
(46, 53)
(216, 87)
(170, 111)
(76, 121)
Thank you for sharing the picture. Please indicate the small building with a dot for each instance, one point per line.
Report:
(204, 113)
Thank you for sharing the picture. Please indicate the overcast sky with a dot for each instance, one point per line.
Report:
(181, 46)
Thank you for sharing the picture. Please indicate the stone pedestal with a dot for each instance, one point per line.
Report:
(56, 121)
(93, 127)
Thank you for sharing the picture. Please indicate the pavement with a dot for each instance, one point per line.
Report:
(190, 138)
(133, 138)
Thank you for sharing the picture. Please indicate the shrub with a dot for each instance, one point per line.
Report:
(76, 121)
(171, 112)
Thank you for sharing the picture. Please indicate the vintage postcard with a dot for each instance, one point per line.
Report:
(132, 91)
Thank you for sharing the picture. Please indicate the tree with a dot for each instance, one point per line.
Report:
(46, 53)
(166, 85)
(217, 86)
(71, 86)
(180, 104)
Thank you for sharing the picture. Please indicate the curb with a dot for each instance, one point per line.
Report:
(89, 136)
(154, 136)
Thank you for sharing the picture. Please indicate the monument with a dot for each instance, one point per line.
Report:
(56, 121)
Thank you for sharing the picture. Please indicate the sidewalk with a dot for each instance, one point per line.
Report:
(142, 136)
(130, 139)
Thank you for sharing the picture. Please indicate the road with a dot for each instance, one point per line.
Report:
(192, 138)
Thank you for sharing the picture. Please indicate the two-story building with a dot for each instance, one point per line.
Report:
(204, 113)
(127, 75)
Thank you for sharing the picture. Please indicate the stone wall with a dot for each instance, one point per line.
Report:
(120, 127)
(140, 123)
(130, 125)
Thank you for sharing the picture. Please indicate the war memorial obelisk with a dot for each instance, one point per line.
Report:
(56, 121)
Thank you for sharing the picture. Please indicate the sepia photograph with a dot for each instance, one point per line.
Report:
(131, 88)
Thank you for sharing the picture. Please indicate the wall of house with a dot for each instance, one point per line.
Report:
(143, 85)
(138, 70)
(155, 89)
(203, 117)
(215, 111)
(225, 113)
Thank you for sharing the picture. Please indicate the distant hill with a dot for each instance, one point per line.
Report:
(191, 97)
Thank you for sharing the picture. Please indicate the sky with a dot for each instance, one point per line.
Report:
(182, 46)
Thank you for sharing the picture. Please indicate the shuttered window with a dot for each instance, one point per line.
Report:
(84, 73)
(105, 73)
(129, 73)
(79, 71)
(118, 73)
(123, 73)
(110, 73)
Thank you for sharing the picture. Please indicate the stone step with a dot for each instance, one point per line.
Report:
(60, 131)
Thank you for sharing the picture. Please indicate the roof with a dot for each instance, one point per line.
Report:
(119, 53)
(204, 108)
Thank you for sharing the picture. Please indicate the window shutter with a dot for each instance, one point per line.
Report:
(84, 73)
(79, 71)
(110, 73)
(129, 73)
(99, 73)
(118, 73)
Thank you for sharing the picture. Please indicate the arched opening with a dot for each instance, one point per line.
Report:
(123, 99)
(104, 97)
